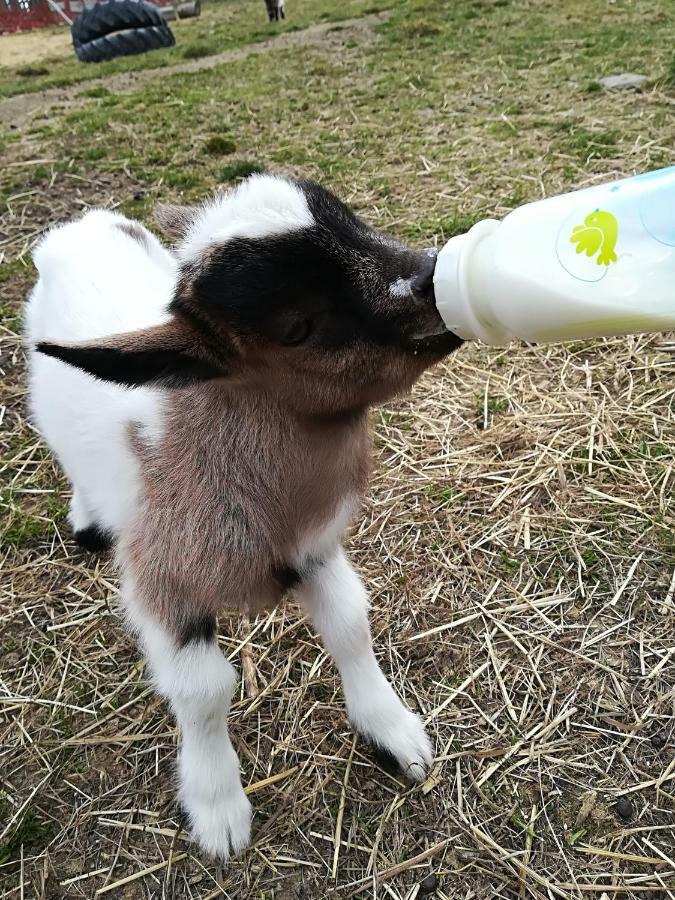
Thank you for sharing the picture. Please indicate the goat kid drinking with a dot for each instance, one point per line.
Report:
(222, 444)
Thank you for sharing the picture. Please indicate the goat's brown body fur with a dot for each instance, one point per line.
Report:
(235, 488)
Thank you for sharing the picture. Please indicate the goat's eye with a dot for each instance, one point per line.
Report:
(295, 332)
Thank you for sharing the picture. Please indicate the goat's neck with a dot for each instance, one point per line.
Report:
(234, 436)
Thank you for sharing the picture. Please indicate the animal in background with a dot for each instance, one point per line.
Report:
(275, 10)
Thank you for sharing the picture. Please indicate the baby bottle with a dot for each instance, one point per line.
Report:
(592, 263)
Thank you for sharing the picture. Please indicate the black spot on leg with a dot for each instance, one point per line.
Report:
(94, 539)
(199, 628)
(287, 577)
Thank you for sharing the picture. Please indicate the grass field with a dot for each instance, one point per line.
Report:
(518, 533)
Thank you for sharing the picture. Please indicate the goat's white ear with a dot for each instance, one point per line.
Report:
(168, 355)
(174, 220)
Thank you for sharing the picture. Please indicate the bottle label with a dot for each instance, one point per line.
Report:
(597, 237)
(587, 243)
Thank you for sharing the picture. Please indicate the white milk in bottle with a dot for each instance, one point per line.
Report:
(592, 263)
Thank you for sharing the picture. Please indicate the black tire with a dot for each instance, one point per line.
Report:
(125, 43)
(114, 15)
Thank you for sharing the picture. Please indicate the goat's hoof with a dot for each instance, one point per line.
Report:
(222, 829)
(383, 758)
(94, 539)
(400, 743)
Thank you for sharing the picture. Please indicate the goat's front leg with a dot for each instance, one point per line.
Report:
(198, 682)
(334, 597)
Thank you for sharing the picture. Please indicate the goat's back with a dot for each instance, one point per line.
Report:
(99, 275)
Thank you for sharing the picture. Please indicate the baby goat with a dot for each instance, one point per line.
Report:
(223, 444)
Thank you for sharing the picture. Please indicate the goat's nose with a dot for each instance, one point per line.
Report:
(422, 282)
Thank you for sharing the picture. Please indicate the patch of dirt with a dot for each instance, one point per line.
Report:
(16, 111)
(27, 47)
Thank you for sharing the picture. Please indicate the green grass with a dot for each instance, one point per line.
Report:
(576, 835)
(444, 227)
(589, 143)
(494, 405)
(509, 564)
(197, 51)
(25, 521)
(33, 833)
(97, 91)
(497, 404)
(670, 75)
(441, 493)
(29, 71)
(240, 169)
(397, 419)
(219, 145)
(10, 318)
(385, 84)
(15, 268)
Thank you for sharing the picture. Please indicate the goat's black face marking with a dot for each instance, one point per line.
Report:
(94, 539)
(297, 332)
(302, 293)
(330, 284)
(200, 628)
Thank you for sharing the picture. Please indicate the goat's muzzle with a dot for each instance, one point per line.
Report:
(422, 282)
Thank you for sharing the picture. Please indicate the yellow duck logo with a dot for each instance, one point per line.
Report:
(598, 234)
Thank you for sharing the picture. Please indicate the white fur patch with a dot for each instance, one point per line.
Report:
(79, 515)
(261, 206)
(401, 288)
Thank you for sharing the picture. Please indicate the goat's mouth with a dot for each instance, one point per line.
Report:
(430, 334)
(438, 342)
(425, 334)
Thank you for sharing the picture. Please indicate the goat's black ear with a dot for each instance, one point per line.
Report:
(174, 220)
(168, 355)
